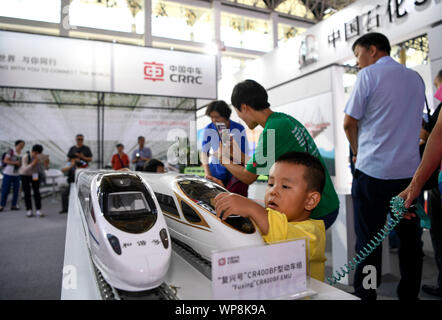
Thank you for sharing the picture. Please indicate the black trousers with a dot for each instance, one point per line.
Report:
(435, 214)
(27, 183)
(65, 197)
(371, 202)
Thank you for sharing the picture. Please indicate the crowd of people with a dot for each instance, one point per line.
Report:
(383, 124)
(27, 169)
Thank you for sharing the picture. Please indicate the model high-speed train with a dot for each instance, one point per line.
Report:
(125, 229)
(187, 205)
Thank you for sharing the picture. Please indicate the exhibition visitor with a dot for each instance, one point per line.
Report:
(431, 161)
(11, 177)
(219, 113)
(141, 154)
(382, 123)
(120, 160)
(282, 133)
(29, 174)
(81, 151)
(296, 181)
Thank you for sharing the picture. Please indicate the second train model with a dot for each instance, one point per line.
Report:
(187, 204)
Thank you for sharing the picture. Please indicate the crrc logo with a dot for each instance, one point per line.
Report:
(153, 71)
(189, 75)
(221, 261)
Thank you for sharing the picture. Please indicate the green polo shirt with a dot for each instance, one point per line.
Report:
(290, 135)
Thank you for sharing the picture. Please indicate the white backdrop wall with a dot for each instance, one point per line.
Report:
(55, 126)
(74, 64)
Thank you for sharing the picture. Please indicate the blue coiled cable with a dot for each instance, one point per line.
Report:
(398, 208)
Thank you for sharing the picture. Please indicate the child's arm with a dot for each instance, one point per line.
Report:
(227, 204)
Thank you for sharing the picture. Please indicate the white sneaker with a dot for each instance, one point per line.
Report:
(29, 213)
(39, 214)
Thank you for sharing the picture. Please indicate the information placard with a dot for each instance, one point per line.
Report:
(262, 272)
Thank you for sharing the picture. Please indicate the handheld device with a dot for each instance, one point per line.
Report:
(222, 132)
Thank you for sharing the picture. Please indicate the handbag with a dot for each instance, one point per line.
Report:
(121, 162)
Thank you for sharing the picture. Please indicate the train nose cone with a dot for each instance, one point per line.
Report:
(143, 272)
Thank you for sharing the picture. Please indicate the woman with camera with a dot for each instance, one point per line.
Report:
(11, 177)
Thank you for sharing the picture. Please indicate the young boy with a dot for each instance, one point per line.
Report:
(294, 189)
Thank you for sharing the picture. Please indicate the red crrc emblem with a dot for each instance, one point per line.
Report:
(153, 71)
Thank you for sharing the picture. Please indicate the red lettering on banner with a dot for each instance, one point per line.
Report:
(153, 71)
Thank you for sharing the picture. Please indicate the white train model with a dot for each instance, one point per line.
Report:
(187, 205)
(125, 229)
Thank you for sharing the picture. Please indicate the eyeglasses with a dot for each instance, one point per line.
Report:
(79, 139)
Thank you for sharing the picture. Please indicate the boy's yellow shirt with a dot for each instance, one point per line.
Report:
(280, 229)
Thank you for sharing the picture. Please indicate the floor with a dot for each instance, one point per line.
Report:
(32, 254)
(387, 289)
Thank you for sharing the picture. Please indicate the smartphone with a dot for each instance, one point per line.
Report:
(223, 133)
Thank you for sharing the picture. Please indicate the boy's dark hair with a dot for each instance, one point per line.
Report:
(315, 173)
(140, 137)
(37, 148)
(18, 142)
(373, 39)
(79, 135)
(251, 93)
(119, 145)
(221, 107)
(152, 165)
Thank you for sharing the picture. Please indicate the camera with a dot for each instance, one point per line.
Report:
(80, 164)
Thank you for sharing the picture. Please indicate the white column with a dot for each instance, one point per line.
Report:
(216, 10)
(148, 23)
(274, 21)
(64, 18)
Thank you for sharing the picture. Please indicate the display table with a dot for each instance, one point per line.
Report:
(79, 279)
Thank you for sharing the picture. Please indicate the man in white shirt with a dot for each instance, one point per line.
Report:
(382, 124)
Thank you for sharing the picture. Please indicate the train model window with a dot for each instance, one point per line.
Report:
(203, 192)
(189, 213)
(167, 204)
(127, 204)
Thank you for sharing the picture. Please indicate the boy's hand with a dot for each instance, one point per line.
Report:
(227, 204)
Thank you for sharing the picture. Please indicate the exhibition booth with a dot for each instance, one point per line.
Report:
(312, 75)
(53, 88)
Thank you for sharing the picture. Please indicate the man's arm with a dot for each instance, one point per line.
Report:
(430, 160)
(66, 169)
(87, 155)
(85, 158)
(241, 173)
(351, 131)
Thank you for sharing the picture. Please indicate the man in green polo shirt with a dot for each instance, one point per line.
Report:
(282, 133)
